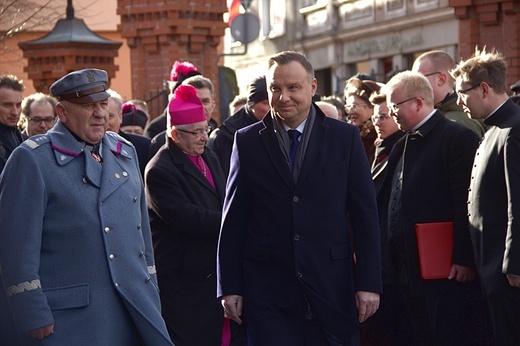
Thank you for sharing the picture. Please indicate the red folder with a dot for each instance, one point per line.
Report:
(435, 243)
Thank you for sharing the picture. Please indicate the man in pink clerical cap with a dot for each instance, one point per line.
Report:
(181, 70)
(185, 191)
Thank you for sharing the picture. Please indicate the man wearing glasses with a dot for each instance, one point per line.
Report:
(481, 85)
(435, 65)
(427, 179)
(388, 134)
(39, 114)
(185, 190)
(206, 93)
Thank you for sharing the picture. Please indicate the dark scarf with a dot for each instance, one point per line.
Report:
(384, 146)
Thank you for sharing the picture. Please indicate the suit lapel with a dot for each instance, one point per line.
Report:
(216, 173)
(185, 165)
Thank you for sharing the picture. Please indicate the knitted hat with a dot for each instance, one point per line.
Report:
(185, 107)
(257, 91)
(132, 115)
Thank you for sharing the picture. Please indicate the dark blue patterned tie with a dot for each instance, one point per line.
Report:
(293, 135)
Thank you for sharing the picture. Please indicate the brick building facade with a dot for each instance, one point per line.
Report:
(491, 23)
(161, 32)
(376, 37)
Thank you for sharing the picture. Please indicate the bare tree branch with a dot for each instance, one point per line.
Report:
(20, 15)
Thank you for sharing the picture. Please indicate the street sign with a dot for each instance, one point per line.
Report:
(245, 27)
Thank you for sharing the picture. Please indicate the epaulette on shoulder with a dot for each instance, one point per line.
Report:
(117, 137)
(35, 141)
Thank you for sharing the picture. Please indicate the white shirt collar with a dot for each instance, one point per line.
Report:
(422, 122)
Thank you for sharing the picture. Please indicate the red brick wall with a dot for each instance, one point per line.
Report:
(47, 63)
(490, 23)
(161, 32)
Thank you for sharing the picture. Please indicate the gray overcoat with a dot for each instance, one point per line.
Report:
(75, 243)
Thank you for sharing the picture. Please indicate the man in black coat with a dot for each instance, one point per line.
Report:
(185, 191)
(493, 208)
(115, 119)
(426, 181)
(221, 139)
(295, 211)
(388, 133)
(11, 96)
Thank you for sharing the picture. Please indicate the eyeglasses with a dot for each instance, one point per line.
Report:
(355, 106)
(463, 93)
(380, 117)
(48, 120)
(394, 108)
(431, 74)
(198, 133)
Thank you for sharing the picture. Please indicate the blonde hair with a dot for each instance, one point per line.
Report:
(414, 84)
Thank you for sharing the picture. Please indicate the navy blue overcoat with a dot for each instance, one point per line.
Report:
(284, 243)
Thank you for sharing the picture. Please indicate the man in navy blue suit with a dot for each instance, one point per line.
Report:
(295, 214)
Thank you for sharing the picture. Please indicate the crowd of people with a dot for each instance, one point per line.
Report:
(294, 222)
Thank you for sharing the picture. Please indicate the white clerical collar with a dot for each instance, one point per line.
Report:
(490, 114)
(422, 122)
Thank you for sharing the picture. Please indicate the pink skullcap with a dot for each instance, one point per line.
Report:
(181, 68)
(185, 107)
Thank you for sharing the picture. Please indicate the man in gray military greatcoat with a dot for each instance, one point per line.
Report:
(79, 268)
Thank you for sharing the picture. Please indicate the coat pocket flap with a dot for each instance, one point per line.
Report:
(67, 297)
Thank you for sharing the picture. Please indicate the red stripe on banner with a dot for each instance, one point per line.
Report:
(234, 10)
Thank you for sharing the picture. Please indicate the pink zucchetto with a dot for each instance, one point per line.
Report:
(185, 107)
(181, 69)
